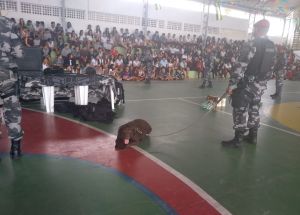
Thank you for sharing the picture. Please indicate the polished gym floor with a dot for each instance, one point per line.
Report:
(71, 166)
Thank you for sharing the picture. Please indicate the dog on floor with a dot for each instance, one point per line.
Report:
(132, 133)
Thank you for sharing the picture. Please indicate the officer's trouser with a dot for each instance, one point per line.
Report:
(12, 117)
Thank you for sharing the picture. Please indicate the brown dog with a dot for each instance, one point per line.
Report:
(212, 98)
(132, 133)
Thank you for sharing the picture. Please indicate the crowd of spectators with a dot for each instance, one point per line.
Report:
(120, 53)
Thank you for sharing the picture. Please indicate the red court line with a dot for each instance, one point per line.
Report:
(47, 134)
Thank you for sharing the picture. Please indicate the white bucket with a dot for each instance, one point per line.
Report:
(222, 103)
(112, 98)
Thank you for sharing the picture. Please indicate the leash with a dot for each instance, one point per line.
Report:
(211, 107)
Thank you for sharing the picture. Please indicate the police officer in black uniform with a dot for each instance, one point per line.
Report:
(147, 60)
(10, 48)
(279, 71)
(208, 65)
(248, 82)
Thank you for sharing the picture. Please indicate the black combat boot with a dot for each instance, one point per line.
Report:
(210, 84)
(203, 85)
(252, 136)
(277, 94)
(147, 81)
(15, 149)
(236, 141)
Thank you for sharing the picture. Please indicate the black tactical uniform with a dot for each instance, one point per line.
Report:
(147, 60)
(251, 73)
(279, 72)
(10, 48)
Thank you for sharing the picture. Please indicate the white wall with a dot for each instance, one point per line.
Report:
(230, 27)
(115, 6)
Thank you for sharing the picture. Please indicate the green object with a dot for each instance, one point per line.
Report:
(53, 56)
(192, 74)
(207, 106)
(121, 50)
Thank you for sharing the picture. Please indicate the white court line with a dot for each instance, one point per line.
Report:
(193, 97)
(162, 99)
(165, 166)
(264, 124)
(188, 101)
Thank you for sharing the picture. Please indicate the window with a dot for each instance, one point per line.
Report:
(2, 5)
(123, 19)
(56, 11)
(50, 10)
(11, 5)
(114, 18)
(197, 28)
(213, 30)
(47, 10)
(8, 5)
(40, 9)
(161, 23)
(174, 26)
(36, 9)
(191, 27)
(151, 23)
(25, 7)
(188, 27)
(136, 20)
(80, 14)
(92, 15)
(74, 13)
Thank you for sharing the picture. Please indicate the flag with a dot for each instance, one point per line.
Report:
(157, 6)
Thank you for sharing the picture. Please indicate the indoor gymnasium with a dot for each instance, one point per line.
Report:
(149, 107)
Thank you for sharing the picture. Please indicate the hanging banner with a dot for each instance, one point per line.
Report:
(218, 10)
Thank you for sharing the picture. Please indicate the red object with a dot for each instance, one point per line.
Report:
(289, 75)
(114, 52)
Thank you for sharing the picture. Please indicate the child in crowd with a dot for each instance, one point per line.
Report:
(126, 76)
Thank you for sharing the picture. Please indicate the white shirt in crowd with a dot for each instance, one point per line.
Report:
(70, 29)
(136, 63)
(45, 66)
(119, 62)
(94, 62)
